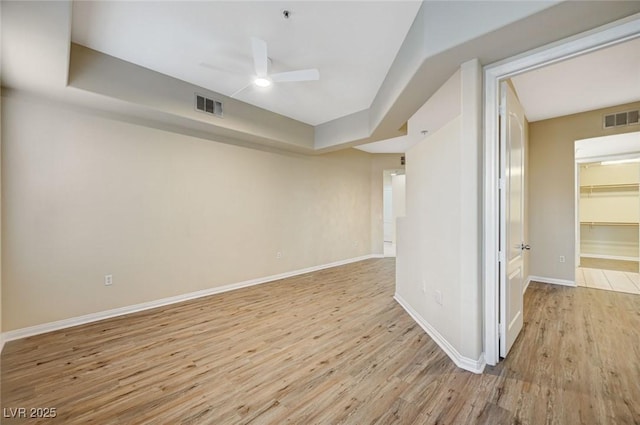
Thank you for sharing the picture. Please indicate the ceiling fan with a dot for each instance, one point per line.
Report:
(262, 78)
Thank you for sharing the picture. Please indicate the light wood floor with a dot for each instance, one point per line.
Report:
(327, 348)
(610, 279)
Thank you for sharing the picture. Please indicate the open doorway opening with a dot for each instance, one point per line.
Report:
(393, 207)
(550, 266)
(608, 213)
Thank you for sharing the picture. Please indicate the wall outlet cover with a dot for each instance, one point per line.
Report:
(438, 296)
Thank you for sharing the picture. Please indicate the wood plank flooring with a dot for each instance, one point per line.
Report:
(330, 347)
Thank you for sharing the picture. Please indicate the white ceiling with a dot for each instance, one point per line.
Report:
(351, 43)
(600, 79)
(606, 77)
(442, 107)
(36, 59)
(610, 147)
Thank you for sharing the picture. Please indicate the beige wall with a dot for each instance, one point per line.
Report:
(165, 214)
(552, 187)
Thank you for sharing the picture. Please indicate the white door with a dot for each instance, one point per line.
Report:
(512, 245)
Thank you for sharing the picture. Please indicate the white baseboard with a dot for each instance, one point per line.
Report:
(94, 317)
(475, 366)
(551, 280)
(610, 257)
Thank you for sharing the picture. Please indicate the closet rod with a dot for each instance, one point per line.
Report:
(607, 223)
(610, 186)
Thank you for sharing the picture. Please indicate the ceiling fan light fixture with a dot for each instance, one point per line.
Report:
(262, 82)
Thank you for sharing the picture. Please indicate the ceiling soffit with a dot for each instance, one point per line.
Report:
(416, 74)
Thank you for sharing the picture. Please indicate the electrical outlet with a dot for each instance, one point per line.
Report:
(278, 254)
(562, 259)
(108, 279)
(438, 296)
(355, 244)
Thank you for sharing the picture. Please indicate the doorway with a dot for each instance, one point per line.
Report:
(393, 200)
(608, 213)
(493, 221)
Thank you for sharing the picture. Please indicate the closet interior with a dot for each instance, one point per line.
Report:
(609, 214)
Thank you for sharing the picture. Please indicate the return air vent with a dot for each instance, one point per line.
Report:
(621, 119)
(208, 106)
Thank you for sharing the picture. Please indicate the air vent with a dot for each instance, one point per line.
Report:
(620, 119)
(208, 106)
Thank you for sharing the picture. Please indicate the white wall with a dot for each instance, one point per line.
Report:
(166, 214)
(398, 201)
(612, 242)
(387, 213)
(428, 242)
(394, 203)
(380, 163)
(438, 252)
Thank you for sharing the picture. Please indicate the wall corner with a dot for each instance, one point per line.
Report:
(471, 209)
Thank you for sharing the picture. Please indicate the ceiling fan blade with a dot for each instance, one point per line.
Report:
(260, 58)
(301, 75)
(216, 68)
(237, 92)
(208, 65)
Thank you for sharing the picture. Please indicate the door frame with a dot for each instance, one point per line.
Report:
(604, 36)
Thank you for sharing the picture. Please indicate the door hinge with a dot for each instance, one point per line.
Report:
(502, 110)
(501, 257)
(501, 183)
(499, 331)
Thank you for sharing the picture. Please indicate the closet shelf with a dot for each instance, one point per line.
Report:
(608, 223)
(611, 186)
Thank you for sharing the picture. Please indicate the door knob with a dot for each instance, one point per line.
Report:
(523, 247)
